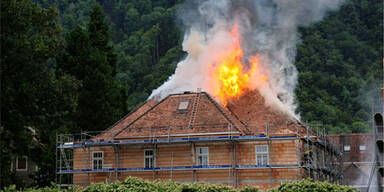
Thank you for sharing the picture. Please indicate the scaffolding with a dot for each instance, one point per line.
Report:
(313, 157)
(377, 166)
(376, 176)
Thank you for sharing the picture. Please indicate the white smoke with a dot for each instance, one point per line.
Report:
(268, 29)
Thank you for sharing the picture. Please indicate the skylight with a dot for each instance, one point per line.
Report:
(183, 105)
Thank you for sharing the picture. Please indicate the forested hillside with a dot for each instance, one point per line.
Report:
(72, 65)
(340, 64)
(145, 36)
(339, 58)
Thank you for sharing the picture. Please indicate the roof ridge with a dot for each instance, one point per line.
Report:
(227, 116)
(141, 115)
(127, 115)
(121, 119)
(234, 114)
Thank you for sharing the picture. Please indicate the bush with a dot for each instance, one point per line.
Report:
(308, 185)
(133, 184)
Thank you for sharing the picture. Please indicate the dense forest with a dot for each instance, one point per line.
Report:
(340, 67)
(72, 65)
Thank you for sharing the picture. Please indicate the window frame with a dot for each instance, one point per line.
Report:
(261, 153)
(97, 158)
(26, 163)
(198, 155)
(347, 150)
(150, 156)
(181, 101)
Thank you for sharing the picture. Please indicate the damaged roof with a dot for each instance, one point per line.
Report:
(199, 113)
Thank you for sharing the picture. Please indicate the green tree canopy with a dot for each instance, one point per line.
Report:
(339, 62)
(89, 56)
(33, 97)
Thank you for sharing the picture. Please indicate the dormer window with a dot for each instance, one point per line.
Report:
(183, 105)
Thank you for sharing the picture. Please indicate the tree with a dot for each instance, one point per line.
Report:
(33, 97)
(99, 37)
(89, 56)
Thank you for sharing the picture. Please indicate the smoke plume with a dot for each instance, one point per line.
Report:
(268, 29)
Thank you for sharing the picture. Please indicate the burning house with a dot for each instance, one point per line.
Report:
(189, 137)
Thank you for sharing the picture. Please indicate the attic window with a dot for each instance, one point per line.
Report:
(183, 105)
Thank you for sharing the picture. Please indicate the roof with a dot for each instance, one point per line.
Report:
(200, 114)
(127, 119)
(251, 109)
(166, 118)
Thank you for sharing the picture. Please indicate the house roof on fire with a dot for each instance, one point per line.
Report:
(199, 113)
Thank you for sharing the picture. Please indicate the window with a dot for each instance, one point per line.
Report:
(347, 148)
(262, 155)
(21, 163)
(183, 105)
(97, 159)
(202, 155)
(149, 158)
(362, 148)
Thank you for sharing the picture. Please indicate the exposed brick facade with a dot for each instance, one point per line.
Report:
(231, 134)
(359, 155)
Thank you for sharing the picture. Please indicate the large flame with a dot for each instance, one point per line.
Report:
(232, 79)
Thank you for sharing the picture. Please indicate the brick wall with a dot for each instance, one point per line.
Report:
(281, 152)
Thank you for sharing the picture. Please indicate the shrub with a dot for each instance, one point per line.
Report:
(133, 184)
(308, 185)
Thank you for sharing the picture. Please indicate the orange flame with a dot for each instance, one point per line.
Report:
(233, 81)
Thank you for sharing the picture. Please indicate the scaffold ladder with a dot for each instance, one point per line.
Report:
(63, 155)
(194, 108)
